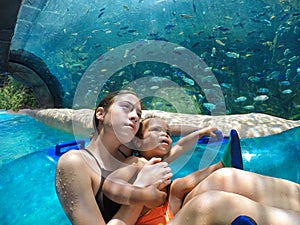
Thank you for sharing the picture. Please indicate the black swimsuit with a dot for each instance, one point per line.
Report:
(108, 208)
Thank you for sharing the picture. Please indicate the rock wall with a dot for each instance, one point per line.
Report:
(79, 122)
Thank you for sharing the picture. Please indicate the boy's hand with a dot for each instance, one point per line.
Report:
(208, 131)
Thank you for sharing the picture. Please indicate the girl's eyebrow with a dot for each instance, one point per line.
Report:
(132, 105)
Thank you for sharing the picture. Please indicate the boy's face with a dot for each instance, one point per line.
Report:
(156, 138)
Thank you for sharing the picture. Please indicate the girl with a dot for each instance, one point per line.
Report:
(80, 174)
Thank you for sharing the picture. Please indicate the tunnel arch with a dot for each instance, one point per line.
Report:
(33, 72)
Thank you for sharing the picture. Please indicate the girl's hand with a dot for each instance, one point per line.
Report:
(154, 172)
(153, 197)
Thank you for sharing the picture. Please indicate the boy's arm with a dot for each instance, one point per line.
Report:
(182, 130)
(187, 142)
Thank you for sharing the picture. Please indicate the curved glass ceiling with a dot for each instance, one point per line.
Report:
(252, 47)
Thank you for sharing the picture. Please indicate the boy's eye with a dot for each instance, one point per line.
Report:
(156, 129)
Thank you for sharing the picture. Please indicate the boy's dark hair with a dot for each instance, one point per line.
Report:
(139, 133)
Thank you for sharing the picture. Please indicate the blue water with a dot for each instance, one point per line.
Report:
(275, 155)
(27, 189)
(21, 134)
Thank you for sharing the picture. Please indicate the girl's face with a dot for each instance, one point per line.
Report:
(156, 138)
(123, 117)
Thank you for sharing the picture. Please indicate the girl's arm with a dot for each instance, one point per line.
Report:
(187, 142)
(149, 178)
(76, 195)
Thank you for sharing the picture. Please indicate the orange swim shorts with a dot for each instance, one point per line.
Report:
(158, 216)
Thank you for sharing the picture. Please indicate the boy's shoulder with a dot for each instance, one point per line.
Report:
(137, 160)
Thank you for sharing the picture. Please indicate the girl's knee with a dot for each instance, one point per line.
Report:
(207, 207)
(220, 177)
(220, 180)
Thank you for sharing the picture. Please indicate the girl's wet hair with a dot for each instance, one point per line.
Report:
(107, 101)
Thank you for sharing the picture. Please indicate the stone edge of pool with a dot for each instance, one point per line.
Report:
(248, 125)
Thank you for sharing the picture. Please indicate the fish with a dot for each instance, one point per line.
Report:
(221, 28)
(186, 16)
(220, 42)
(227, 18)
(287, 91)
(287, 52)
(124, 28)
(263, 90)
(125, 7)
(194, 6)
(274, 75)
(280, 31)
(170, 26)
(188, 80)
(101, 14)
(240, 99)
(147, 72)
(267, 22)
(240, 24)
(284, 83)
(209, 106)
(293, 58)
(226, 85)
(232, 55)
(267, 43)
(249, 107)
(261, 98)
(196, 44)
(107, 31)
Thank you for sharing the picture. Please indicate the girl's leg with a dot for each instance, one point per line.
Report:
(263, 189)
(218, 207)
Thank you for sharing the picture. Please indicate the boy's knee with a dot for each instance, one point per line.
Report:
(178, 188)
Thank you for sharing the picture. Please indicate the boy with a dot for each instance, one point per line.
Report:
(154, 141)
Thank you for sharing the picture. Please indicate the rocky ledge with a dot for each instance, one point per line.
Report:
(79, 122)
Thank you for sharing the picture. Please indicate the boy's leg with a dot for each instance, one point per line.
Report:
(180, 187)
